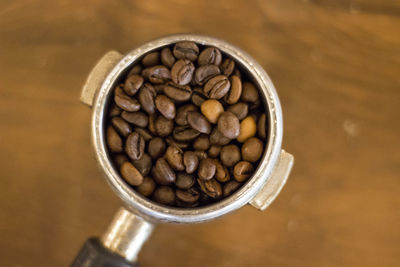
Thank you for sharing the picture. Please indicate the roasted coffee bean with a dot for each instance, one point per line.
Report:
(147, 187)
(167, 58)
(210, 55)
(146, 96)
(163, 126)
(143, 165)
(151, 59)
(235, 92)
(239, 109)
(191, 161)
(248, 129)
(156, 147)
(261, 126)
(211, 109)
(237, 73)
(217, 138)
(121, 126)
(249, 93)
(214, 151)
(134, 146)
(229, 125)
(206, 169)
(204, 73)
(164, 195)
(119, 159)
(252, 149)
(144, 133)
(230, 155)
(188, 196)
(211, 187)
(186, 50)
(182, 72)
(165, 106)
(181, 114)
(182, 145)
(124, 101)
(184, 133)
(174, 156)
(184, 180)
(157, 74)
(227, 66)
(230, 187)
(201, 154)
(137, 69)
(159, 88)
(217, 87)
(198, 97)
(114, 141)
(221, 172)
(131, 175)
(163, 173)
(177, 92)
(198, 122)
(132, 84)
(114, 111)
(242, 171)
(201, 142)
(137, 118)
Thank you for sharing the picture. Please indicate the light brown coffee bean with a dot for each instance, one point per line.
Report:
(184, 180)
(198, 122)
(217, 87)
(211, 109)
(137, 118)
(137, 69)
(132, 84)
(242, 171)
(146, 96)
(174, 156)
(125, 102)
(121, 126)
(167, 58)
(249, 93)
(114, 141)
(227, 66)
(157, 74)
(211, 187)
(181, 114)
(210, 55)
(201, 154)
(185, 133)
(229, 125)
(186, 50)
(156, 147)
(248, 129)
(119, 159)
(182, 145)
(147, 187)
(201, 142)
(217, 138)
(205, 73)
(163, 173)
(206, 169)
(230, 187)
(178, 92)
(163, 126)
(152, 123)
(235, 92)
(221, 172)
(151, 59)
(252, 149)
(143, 165)
(188, 196)
(182, 72)
(130, 174)
(191, 161)
(134, 146)
(240, 109)
(164, 195)
(230, 155)
(214, 151)
(262, 126)
(165, 106)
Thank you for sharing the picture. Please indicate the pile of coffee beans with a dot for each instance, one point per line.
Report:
(186, 127)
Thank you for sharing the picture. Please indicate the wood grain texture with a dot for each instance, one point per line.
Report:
(336, 66)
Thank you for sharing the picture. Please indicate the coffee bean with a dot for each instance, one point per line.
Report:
(152, 123)
(151, 59)
(134, 146)
(184, 180)
(121, 126)
(114, 141)
(146, 96)
(159, 88)
(248, 129)
(211, 187)
(178, 92)
(198, 97)
(262, 126)
(229, 125)
(235, 92)
(165, 106)
(147, 187)
(182, 72)
(157, 74)
(163, 173)
(239, 109)
(185, 133)
(144, 133)
(242, 171)
(163, 126)
(206, 169)
(217, 87)
(156, 147)
(181, 114)
(227, 66)
(237, 73)
(210, 55)
(205, 73)
(214, 151)
(125, 102)
(137, 118)
(182, 145)
(143, 165)
(217, 138)
(188, 196)
(221, 172)
(186, 50)
(230, 155)
(230, 187)
(174, 156)
(119, 159)
(131, 175)
(249, 93)
(211, 109)
(164, 195)
(191, 161)
(201, 154)
(167, 58)
(201, 142)
(137, 69)
(252, 149)
(132, 84)
(198, 122)
(114, 111)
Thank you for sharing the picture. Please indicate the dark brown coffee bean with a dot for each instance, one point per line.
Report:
(165, 106)
(164, 195)
(163, 126)
(131, 175)
(186, 50)
(198, 122)
(157, 74)
(132, 84)
(152, 123)
(159, 88)
(144, 133)
(242, 171)
(217, 138)
(205, 73)
(184, 180)
(221, 172)
(239, 109)
(252, 149)
(188, 196)
(174, 156)
(156, 147)
(147, 187)
(210, 55)
(211, 187)
(114, 141)
(146, 97)
(191, 161)
(167, 58)
(134, 146)
(182, 145)
(137, 69)
(227, 66)
(185, 133)
(229, 125)
(235, 92)
(214, 151)
(230, 155)
(125, 102)
(178, 92)
(181, 114)
(217, 87)
(137, 118)
(182, 72)
(114, 111)
(230, 187)
(163, 173)
(262, 126)
(201, 154)
(206, 169)
(119, 159)
(198, 96)
(151, 59)
(249, 93)
(143, 165)
(201, 142)
(121, 126)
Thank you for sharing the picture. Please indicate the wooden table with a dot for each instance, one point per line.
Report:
(336, 66)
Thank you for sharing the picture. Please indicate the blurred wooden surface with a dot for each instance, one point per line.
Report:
(336, 66)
